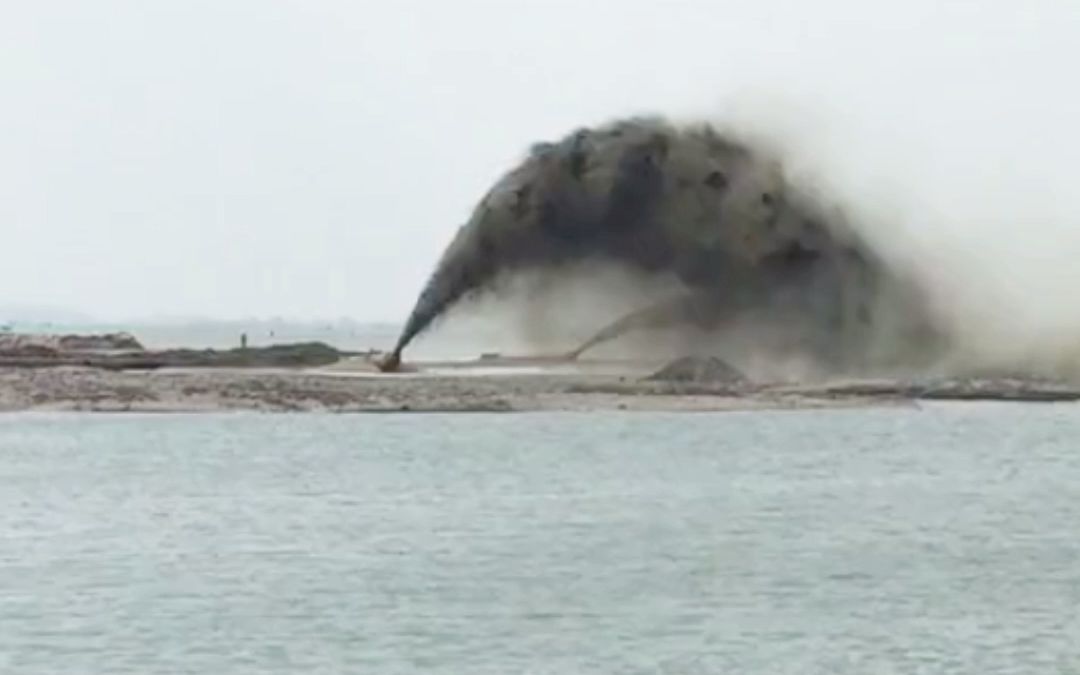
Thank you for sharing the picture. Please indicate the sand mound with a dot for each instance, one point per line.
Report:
(699, 370)
(37, 344)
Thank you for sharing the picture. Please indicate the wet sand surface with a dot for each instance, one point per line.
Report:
(485, 385)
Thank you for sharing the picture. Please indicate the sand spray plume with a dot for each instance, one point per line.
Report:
(974, 205)
(687, 200)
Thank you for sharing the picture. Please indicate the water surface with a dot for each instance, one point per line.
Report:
(940, 540)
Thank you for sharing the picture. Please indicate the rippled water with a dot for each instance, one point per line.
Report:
(936, 541)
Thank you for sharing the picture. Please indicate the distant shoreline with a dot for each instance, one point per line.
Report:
(115, 372)
(353, 387)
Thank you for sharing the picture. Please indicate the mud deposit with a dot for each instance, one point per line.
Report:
(89, 389)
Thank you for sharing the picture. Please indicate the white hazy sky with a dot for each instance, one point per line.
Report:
(310, 158)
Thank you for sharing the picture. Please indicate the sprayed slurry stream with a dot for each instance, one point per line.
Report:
(751, 252)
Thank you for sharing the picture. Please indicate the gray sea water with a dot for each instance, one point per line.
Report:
(940, 540)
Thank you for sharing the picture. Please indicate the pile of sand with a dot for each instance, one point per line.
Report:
(699, 370)
(40, 344)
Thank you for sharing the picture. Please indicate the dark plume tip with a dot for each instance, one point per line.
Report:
(391, 363)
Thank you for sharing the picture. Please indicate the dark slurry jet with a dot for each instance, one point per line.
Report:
(688, 200)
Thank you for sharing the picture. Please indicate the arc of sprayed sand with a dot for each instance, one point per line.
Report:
(697, 309)
(547, 209)
(568, 200)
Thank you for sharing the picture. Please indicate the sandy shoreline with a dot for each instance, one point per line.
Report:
(475, 387)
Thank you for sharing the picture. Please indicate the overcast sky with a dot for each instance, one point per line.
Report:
(234, 158)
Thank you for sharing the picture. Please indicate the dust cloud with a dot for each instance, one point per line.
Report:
(743, 254)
